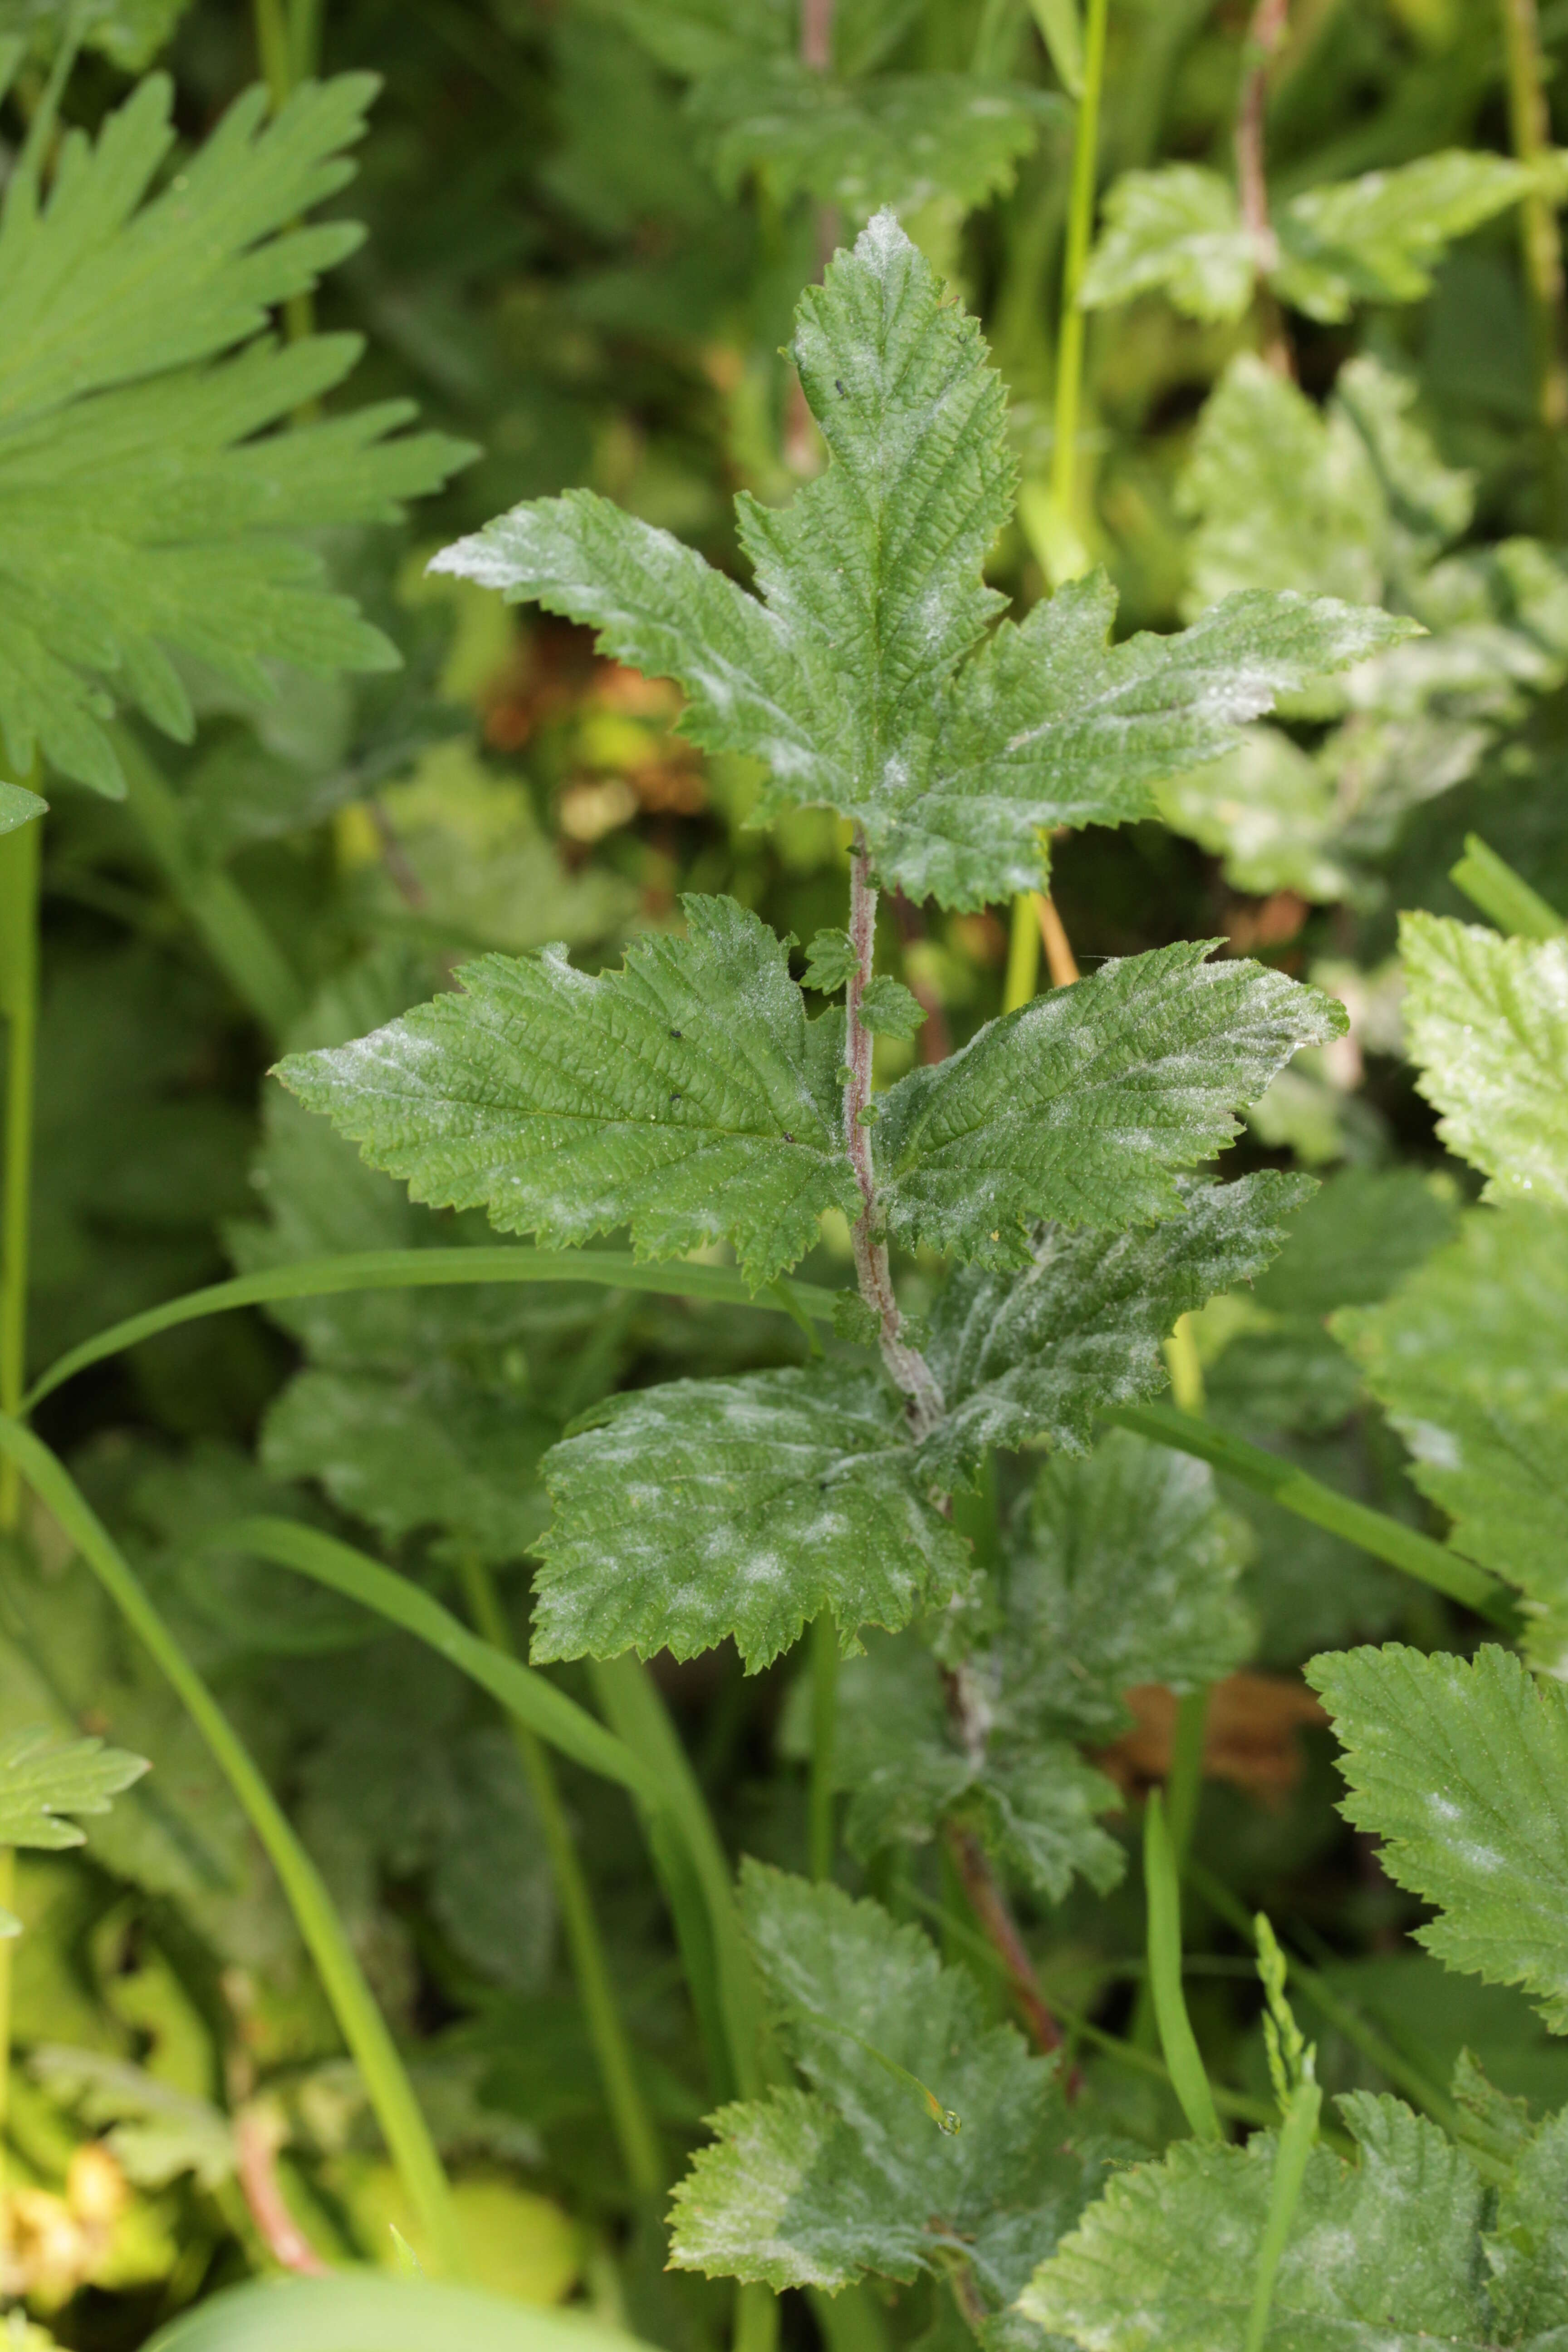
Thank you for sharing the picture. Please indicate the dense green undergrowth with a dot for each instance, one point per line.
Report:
(783, 1284)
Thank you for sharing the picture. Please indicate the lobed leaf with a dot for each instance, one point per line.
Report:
(1460, 1767)
(1377, 238)
(1083, 1105)
(900, 141)
(141, 511)
(1178, 229)
(744, 1507)
(1486, 1020)
(854, 2175)
(44, 1780)
(1386, 2252)
(1469, 1359)
(685, 1095)
(1036, 1354)
(861, 674)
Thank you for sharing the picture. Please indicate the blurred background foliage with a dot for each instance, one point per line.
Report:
(587, 224)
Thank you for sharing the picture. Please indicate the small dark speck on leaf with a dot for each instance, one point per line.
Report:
(675, 1098)
(787, 1135)
(675, 1033)
(838, 387)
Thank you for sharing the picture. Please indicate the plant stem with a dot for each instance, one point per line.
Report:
(633, 2124)
(824, 1741)
(1022, 979)
(420, 1269)
(1297, 2138)
(906, 1366)
(1389, 1539)
(273, 51)
(19, 866)
(232, 932)
(8, 1903)
(1540, 245)
(990, 1907)
(363, 2028)
(817, 35)
(1080, 227)
(1162, 1896)
(1184, 1786)
(1264, 35)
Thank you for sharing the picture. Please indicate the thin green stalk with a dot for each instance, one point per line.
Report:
(273, 51)
(1162, 1895)
(631, 1703)
(230, 929)
(1184, 1786)
(1389, 1539)
(8, 1902)
(1298, 2136)
(363, 2028)
(19, 868)
(1336, 2011)
(419, 1269)
(1023, 953)
(304, 38)
(1504, 897)
(1541, 243)
(634, 2126)
(824, 1741)
(1080, 228)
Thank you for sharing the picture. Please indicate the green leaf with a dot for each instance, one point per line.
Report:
(141, 513)
(1084, 1104)
(739, 1506)
(158, 2131)
(830, 961)
(1025, 1356)
(900, 141)
(1377, 239)
(1355, 1239)
(821, 2187)
(44, 1780)
(18, 806)
(1527, 2247)
(1470, 1362)
(889, 1009)
(685, 1095)
(396, 2315)
(1460, 1768)
(1383, 2252)
(1486, 1020)
(1124, 1569)
(862, 673)
(703, 36)
(1178, 229)
(1272, 812)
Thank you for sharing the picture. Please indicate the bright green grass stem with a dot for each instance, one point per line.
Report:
(629, 2116)
(363, 2028)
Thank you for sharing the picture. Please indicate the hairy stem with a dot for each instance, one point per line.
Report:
(906, 1365)
(992, 1910)
(1264, 35)
(19, 864)
(1530, 122)
(363, 2028)
(629, 2116)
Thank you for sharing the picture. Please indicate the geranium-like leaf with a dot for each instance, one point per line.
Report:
(1486, 1020)
(685, 1095)
(1460, 1768)
(144, 505)
(1084, 1105)
(1038, 1353)
(856, 2176)
(743, 1506)
(1384, 2252)
(861, 674)
(45, 1781)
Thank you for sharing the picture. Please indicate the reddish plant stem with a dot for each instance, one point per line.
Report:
(992, 1911)
(907, 1365)
(817, 35)
(257, 2141)
(1264, 35)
